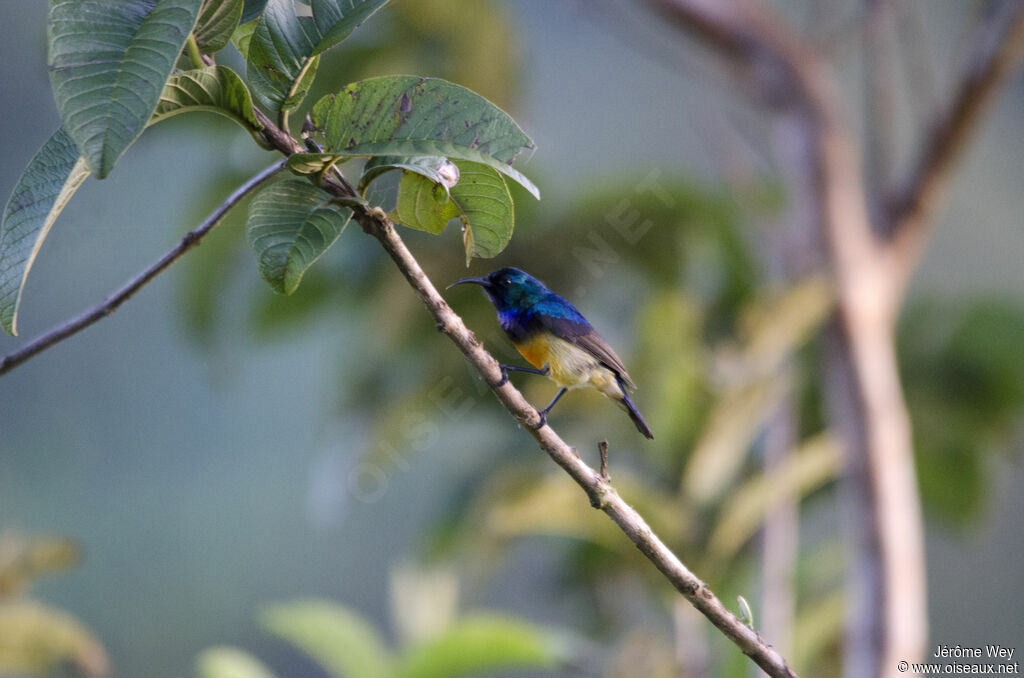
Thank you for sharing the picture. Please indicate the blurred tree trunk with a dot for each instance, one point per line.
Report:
(871, 238)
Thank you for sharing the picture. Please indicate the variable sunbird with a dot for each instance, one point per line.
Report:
(556, 339)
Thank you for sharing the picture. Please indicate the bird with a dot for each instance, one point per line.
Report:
(556, 339)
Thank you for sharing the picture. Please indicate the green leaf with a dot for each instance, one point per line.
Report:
(487, 211)
(423, 204)
(291, 223)
(253, 8)
(336, 19)
(217, 21)
(283, 54)
(229, 662)
(481, 644)
(217, 89)
(340, 640)
(410, 116)
(42, 192)
(108, 63)
(279, 56)
(311, 163)
(480, 199)
(243, 36)
(436, 168)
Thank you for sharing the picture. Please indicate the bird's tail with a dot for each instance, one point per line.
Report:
(634, 414)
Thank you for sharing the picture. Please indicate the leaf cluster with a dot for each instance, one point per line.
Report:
(439, 644)
(156, 60)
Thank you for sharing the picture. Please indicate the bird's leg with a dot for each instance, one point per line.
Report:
(544, 413)
(505, 369)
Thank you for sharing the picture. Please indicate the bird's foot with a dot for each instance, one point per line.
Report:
(543, 414)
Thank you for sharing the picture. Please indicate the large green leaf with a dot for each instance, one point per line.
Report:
(109, 62)
(229, 662)
(480, 199)
(252, 9)
(216, 89)
(243, 36)
(410, 116)
(49, 181)
(284, 49)
(291, 223)
(336, 19)
(423, 204)
(486, 209)
(338, 639)
(217, 21)
(482, 644)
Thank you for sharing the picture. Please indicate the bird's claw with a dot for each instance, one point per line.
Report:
(543, 420)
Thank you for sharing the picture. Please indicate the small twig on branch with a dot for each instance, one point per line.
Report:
(602, 448)
(111, 303)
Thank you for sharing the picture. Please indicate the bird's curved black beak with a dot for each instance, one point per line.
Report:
(484, 282)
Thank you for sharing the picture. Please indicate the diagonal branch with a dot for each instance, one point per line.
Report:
(111, 303)
(602, 494)
(998, 51)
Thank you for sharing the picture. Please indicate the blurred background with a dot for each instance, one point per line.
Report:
(214, 448)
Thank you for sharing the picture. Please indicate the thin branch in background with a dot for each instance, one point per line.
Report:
(918, 61)
(780, 537)
(879, 100)
(789, 78)
(998, 50)
(111, 303)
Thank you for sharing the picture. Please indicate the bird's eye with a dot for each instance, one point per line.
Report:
(505, 282)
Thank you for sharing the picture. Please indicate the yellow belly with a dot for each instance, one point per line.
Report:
(568, 364)
(535, 350)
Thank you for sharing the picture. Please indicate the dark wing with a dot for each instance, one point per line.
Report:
(569, 324)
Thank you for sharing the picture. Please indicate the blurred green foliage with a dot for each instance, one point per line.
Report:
(37, 639)
(435, 640)
(963, 370)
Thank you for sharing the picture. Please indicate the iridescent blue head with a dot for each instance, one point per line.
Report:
(510, 289)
